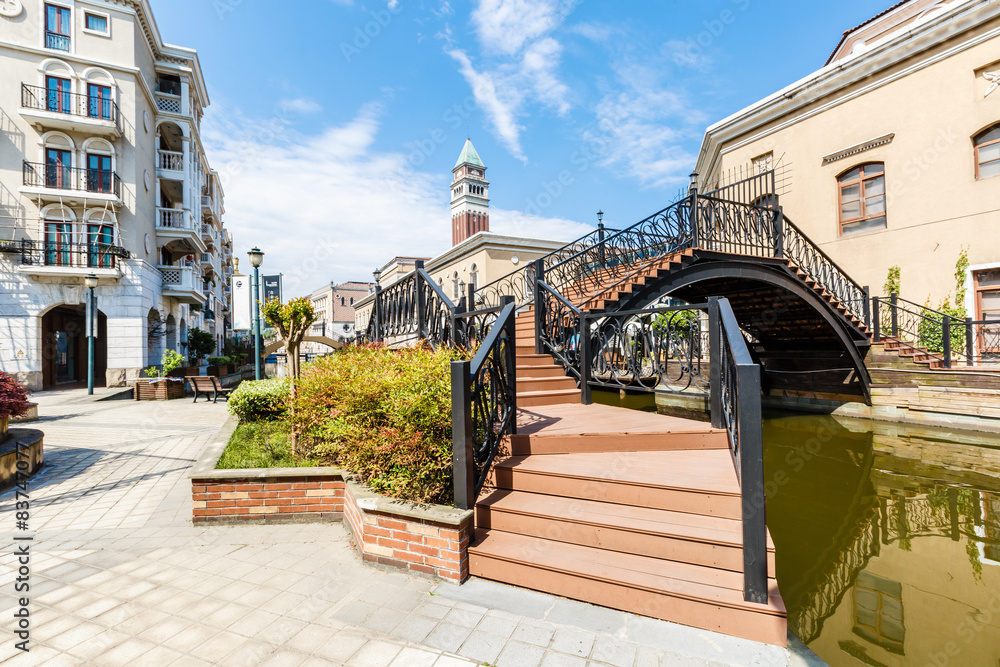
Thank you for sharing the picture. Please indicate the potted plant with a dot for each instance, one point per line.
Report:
(161, 387)
(13, 401)
(218, 366)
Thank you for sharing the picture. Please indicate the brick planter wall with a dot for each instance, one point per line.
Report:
(429, 539)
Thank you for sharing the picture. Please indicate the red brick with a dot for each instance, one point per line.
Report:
(411, 538)
(317, 508)
(223, 488)
(391, 543)
(289, 508)
(264, 494)
(381, 532)
(450, 534)
(425, 569)
(249, 487)
(436, 542)
(331, 485)
(249, 503)
(370, 539)
(449, 575)
(306, 485)
(279, 487)
(197, 488)
(443, 564)
(391, 524)
(207, 512)
(421, 549)
(407, 556)
(221, 503)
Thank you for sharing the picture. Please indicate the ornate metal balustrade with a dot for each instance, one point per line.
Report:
(935, 335)
(67, 255)
(411, 309)
(73, 104)
(519, 283)
(484, 405)
(58, 177)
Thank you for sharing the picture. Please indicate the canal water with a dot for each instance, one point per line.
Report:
(887, 538)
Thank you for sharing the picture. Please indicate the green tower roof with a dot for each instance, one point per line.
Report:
(469, 155)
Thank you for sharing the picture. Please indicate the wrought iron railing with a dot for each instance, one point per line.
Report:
(70, 255)
(758, 189)
(74, 104)
(58, 177)
(736, 407)
(519, 283)
(484, 405)
(54, 40)
(938, 337)
(413, 308)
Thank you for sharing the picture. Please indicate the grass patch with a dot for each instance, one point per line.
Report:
(264, 444)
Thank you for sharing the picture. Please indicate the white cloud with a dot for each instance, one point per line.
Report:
(501, 108)
(541, 61)
(643, 126)
(685, 54)
(300, 105)
(328, 206)
(505, 26)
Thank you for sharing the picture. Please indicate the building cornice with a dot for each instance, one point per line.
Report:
(761, 119)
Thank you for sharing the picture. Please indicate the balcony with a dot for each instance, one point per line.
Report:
(211, 206)
(54, 109)
(182, 283)
(54, 40)
(175, 224)
(53, 182)
(169, 103)
(208, 232)
(170, 161)
(69, 260)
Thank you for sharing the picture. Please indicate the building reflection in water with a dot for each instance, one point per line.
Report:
(887, 540)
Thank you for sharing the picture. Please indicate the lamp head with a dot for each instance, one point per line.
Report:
(256, 257)
(600, 217)
(378, 274)
(90, 281)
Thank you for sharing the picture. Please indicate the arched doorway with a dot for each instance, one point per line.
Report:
(171, 333)
(64, 347)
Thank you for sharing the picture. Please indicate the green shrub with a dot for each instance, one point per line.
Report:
(261, 445)
(171, 361)
(384, 415)
(200, 344)
(259, 400)
(218, 361)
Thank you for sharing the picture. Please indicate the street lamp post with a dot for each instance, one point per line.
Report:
(600, 236)
(91, 314)
(377, 273)
(256, 259)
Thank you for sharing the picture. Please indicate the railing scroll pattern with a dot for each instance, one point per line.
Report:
(484, 406)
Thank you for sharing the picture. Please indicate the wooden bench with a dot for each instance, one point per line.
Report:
(203, 384)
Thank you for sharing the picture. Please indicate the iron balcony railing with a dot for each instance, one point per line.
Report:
(58, 177)
(72, 104)
(68, 255)
(54, 40)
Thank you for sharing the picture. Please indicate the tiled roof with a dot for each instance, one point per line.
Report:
(847, 33)
(469, 156)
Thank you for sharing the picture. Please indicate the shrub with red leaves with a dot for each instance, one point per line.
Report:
(13, 397)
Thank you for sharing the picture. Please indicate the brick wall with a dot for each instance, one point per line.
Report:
(432, 541)
(267, 499)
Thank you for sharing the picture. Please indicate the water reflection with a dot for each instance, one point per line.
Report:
(887, 540)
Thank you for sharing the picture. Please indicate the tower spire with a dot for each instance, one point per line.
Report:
(470, 200)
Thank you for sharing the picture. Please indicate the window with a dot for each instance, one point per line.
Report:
(352, 300)
(58, 169)
(456, 291)
(99, 101)
(58, 243)
(987, 285)
(988, 153)
(474, 276)
(97, 23)
(58, 95)
(100, 239)
(99, 173)
(57, 28)
(862, 199)
(878, 612)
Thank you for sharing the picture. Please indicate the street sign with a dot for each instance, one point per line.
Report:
(272, 287)
(242, 299)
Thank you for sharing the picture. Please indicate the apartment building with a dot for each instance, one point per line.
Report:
(334, 307)
(103, 173)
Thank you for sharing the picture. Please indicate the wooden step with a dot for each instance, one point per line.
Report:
(532, 384)
(553, 370)
(580, 429)
(687, 538)
(691, 481)
(700, 597)
(528, 399)
(534, 359)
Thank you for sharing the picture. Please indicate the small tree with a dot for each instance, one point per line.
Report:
(200, 345)
(292, 321)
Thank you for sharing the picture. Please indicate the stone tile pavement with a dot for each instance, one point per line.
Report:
(120, 576)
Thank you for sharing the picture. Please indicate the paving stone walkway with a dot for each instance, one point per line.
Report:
(120, 576)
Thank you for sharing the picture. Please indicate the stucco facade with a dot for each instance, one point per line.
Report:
(910, 92)
(103, 173)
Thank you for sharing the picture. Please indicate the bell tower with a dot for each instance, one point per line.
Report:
(470, 196)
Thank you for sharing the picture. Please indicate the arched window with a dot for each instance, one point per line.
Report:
(862, 199)
(988, 153)
(474, 276)
(352, 300)
(456, 291)
(343, 301)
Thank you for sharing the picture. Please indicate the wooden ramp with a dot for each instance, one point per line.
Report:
(625, 509)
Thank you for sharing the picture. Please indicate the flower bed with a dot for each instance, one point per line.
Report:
(429, 539)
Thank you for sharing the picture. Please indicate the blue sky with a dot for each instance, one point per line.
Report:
(335, 123)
